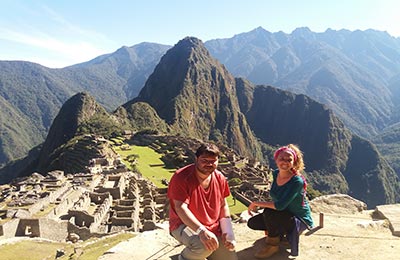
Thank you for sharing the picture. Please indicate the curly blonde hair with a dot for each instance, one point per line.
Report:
(299, 163)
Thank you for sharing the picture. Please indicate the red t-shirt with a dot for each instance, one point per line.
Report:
(205, 204)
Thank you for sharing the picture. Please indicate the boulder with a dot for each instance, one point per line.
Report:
(337, 204)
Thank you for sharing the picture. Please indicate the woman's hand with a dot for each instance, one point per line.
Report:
(209, 239)
(252, 208)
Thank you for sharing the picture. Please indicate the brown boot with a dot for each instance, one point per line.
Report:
(271, 248)
(285, 242)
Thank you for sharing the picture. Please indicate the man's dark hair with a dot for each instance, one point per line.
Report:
(208, 149)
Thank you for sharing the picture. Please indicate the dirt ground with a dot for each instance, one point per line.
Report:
(343, 236)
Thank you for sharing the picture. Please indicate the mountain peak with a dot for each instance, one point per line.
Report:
(189, 41)
(303, 32)
(172, 75)
(80, 107)
(190, 47)
(187, 85)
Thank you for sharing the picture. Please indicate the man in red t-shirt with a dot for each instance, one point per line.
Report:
(197, 194)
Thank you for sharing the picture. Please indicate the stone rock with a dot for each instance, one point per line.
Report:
(60, 253)
(73, 237)
(392, 213)
(148, 213)
(22, 213)
(149, 225)
(374, 224)
(337, 203)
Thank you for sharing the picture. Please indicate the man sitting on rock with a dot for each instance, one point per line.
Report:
(199, 214)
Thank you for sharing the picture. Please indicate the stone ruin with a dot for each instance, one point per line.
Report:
(253, 175)
(108, 198)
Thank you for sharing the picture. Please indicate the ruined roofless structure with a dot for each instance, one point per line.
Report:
(107, 199)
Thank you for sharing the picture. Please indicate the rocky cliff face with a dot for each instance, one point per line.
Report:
(196, 96)
(79, 110)
(336, 160)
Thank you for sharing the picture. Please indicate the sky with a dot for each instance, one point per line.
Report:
(59, 33)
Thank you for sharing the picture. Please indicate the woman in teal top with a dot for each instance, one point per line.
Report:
(289, 203)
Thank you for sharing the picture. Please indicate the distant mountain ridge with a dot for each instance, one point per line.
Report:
(341, 69)
(31, 94)
(201, 99)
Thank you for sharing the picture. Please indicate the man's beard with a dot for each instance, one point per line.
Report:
(205, 170)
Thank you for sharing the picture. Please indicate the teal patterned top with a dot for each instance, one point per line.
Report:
(292, 197)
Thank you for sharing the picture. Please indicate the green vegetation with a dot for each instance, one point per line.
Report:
(101, 124)
(235, 182)
(150, 166)
(91, 249)
(117, 140)
(148, 163)
(37, 250)
(235, 206)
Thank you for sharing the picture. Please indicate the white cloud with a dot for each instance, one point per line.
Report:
(71, 28)
(70, 51)
(51, 40)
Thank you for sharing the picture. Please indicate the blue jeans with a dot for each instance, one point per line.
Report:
(194, 248)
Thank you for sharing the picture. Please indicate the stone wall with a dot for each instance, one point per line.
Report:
(100, 213)
(118, 188)
(81, 218)
(51, 198)
(28, 228)
(9, 229)
(53, 230)
(65, 204)
(83, 202)
(84, 233)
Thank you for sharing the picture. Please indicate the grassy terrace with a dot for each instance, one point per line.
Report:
(31, 249)
(150, 166)
(148, 163)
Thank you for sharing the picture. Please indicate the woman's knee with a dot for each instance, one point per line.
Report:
(256, 222)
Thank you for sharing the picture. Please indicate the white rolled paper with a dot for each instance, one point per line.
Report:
(226, 227)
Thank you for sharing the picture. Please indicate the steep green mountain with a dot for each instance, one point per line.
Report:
(31, 94)
(17, 134)
(394, 87)
(80, 115)
(347, 70)
(30, 98)
(388, 143)
(70, 144)
(140, 116)
(369, 176)
(336, 160)
(196, 96)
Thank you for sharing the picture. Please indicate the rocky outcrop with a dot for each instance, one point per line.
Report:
(337, 203)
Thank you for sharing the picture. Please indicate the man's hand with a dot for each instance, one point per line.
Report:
(209, 240)
(229, 245)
